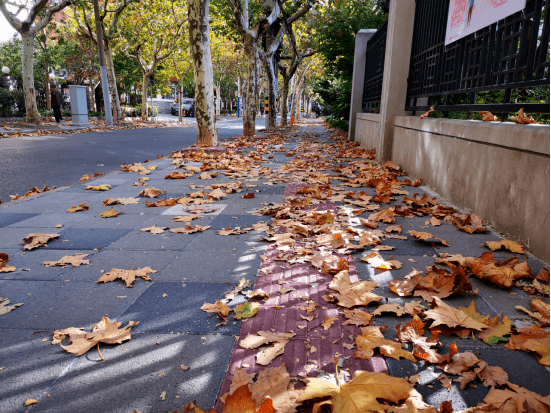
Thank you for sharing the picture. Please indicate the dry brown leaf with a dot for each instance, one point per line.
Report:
(110, 213)
(266, 356)
(357, 317)
(531, 339)
(233, 231)
(372, 338)
(217, 193)
(518, 399)
(427, 113)
(186, 218)
(444, 314)
(248, 196)
(98, 187)
(121, 201)
(522, 118)
(154, 229)
(375, 260)
(350, 295)
(426, 236)
(74, 260)
(541, 310)
(497, 329)
(328, 322)
(128, 276)
(162, 203)
(87, 177)
(37, 240)
(362, 394)
(469, 223)
(178, 175)
(4, 258)
(81, 207)
(487, 116)
(385, 215)
(150, 192)
(106, 331)
(189, 230)
(5, 308)
(510, 245)
(218, 307)
(241, 401)
(28, 402)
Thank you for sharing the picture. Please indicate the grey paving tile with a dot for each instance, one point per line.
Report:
(19, 291)
(12, 237)
(215, 266)
(134, 378)
(179, 311)
(145, 241)
(240, 243)
(10, 218)
(232, 221)
(71, 304)
(50, 220)
(89, 238)
(30, 367)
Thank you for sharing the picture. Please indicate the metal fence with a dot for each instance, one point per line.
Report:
(374, 69)
(507, 56)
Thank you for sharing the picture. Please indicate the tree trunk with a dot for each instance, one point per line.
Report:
(115, 101)
(92, 97)
(28, 78)
(198, 17)
(218, 99)
(144, 95)
(249, 115)
(284, 98)
(180, 94)
(272, 91)
(47, 84)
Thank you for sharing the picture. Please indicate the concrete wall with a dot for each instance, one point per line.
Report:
(367, 130)
(499, 171)
(163, 104)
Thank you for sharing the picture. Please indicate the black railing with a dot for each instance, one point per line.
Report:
(374, 68)
(508, 56)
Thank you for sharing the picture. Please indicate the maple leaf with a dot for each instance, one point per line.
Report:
(106, 331)
(510, 245)
(245, 310)
(5, 308)
(523, 119)
(445, 314)
(357, 317)
(372, 338)
(240, 401)
(150, 192)
(350, 295)
(328, 322)
(362, 393)
(37, 240)
(186, 218)
(189, 230)
(110, 213)
(4, 258)
(128, 276)
(233, 231)
(426, 236)
(217, 193)
(541, 310)
(498, 328)
(385, 215)
(178, 175)
(469, 223)
(266, 356)
(121, 201)
(74, 260)
(87, 177)
(502, 273)
(427, 114)
(98, 187)
(505, 400)
(81, 207)
(487, 116)
(531, 339)
(219, 308)
(375, 260)
(162, 203)
(258, 294)
(410, 308)
(154, 229)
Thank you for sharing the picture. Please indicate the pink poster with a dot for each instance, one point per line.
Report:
(468, 16)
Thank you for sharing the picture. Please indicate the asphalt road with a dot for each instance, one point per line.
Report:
(59, 160)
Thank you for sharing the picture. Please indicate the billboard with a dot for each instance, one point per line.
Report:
(468, 16)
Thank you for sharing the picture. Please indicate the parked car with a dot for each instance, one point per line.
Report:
(188, 107)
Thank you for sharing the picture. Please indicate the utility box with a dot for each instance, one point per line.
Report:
(79, 105)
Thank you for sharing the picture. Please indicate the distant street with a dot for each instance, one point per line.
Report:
(57, 160)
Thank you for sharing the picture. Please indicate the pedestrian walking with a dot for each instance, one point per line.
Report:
(57, 102)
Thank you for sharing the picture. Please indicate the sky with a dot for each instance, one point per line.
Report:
(6, 31)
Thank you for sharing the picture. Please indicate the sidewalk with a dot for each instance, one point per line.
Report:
(149, 372)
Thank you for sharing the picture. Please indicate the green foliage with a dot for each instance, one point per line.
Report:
(340, 123)
(337, 26)
(12, 103)
(136, 111)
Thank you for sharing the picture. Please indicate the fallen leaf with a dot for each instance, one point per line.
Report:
(185, 218)
(510, 245)
(372, 338)
(444, 314)
(87, 177)
(248, 196)
(497, 329)
(37, 240)
(75, 260)
(531, 339)
(5, 308)
(128, 276)
(163, 396)
(81, 207)
(328, 322)
(162, 203)
(541, 310)
(357, 317)
(427, 113)
(184, 367)
(4, 258)
(522, 118)
(219, 308)
(98, 187)
(217, 193)
(106, 331)
(469, 223)
(154, 229)
(150, 192)
(28, 402)
(240, 401)
(189, 230)
(375, 260)
(350, 295)
(426, 236)
(121, 201)
(245, 310)
(265, 357)
(110, 213)
(487, 116)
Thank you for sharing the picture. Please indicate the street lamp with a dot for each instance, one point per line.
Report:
(6, 70)
(52, 76)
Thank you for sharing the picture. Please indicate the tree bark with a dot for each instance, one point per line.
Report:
(144, 95)
(284, 98)
(271, 74)
(180, 94)
(198, 18)
(28, 78)
(251, 87)
(115, 101)
(47, 84)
